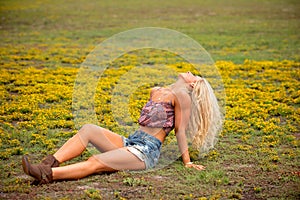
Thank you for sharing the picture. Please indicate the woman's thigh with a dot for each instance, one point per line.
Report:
(119, 159)
(103, 139)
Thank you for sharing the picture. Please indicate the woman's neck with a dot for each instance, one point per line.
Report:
(179, 86)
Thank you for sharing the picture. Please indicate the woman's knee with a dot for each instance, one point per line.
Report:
(98, 165)
(87, 130)
(85, 133)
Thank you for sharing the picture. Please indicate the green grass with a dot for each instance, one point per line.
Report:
(229, 30)
(42, 43)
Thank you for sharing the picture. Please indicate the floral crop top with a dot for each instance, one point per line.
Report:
(158, 115)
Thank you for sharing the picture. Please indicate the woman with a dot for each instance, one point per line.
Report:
(189, 106)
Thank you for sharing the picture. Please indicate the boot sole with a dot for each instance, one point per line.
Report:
(25, 164)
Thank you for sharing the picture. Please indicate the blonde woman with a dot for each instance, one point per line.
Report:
(188, 106)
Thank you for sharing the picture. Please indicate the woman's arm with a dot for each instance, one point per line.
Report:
(182, 115)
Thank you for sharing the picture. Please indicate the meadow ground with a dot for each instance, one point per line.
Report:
(256, 48)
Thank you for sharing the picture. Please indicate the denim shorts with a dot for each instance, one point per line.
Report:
(144, 146)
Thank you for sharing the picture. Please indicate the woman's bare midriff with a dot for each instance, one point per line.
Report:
(159, 133)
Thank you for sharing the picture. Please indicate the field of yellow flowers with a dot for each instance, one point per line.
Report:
(256, 48)
(260, 133)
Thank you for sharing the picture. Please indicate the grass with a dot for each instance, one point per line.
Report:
(256, 48)
(229, 30)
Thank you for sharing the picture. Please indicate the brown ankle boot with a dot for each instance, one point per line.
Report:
(50, 160)
(41, 172)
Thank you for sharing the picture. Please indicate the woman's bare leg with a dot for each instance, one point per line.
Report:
(103, 139)
(118, 159)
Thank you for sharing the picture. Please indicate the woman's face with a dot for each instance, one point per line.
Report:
(188, 77)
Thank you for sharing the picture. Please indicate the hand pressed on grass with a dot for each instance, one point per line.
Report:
(192, 165)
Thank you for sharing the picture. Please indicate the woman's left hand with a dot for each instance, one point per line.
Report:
(192, 165)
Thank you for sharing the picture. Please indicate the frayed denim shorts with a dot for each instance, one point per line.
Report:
(144, 146)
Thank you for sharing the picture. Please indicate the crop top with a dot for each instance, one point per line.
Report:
(158, 115)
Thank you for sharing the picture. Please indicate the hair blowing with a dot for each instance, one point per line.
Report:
(205, 119)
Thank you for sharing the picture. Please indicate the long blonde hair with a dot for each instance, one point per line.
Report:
(205, 119)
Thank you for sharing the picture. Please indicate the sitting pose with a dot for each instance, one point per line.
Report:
(188, 106)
